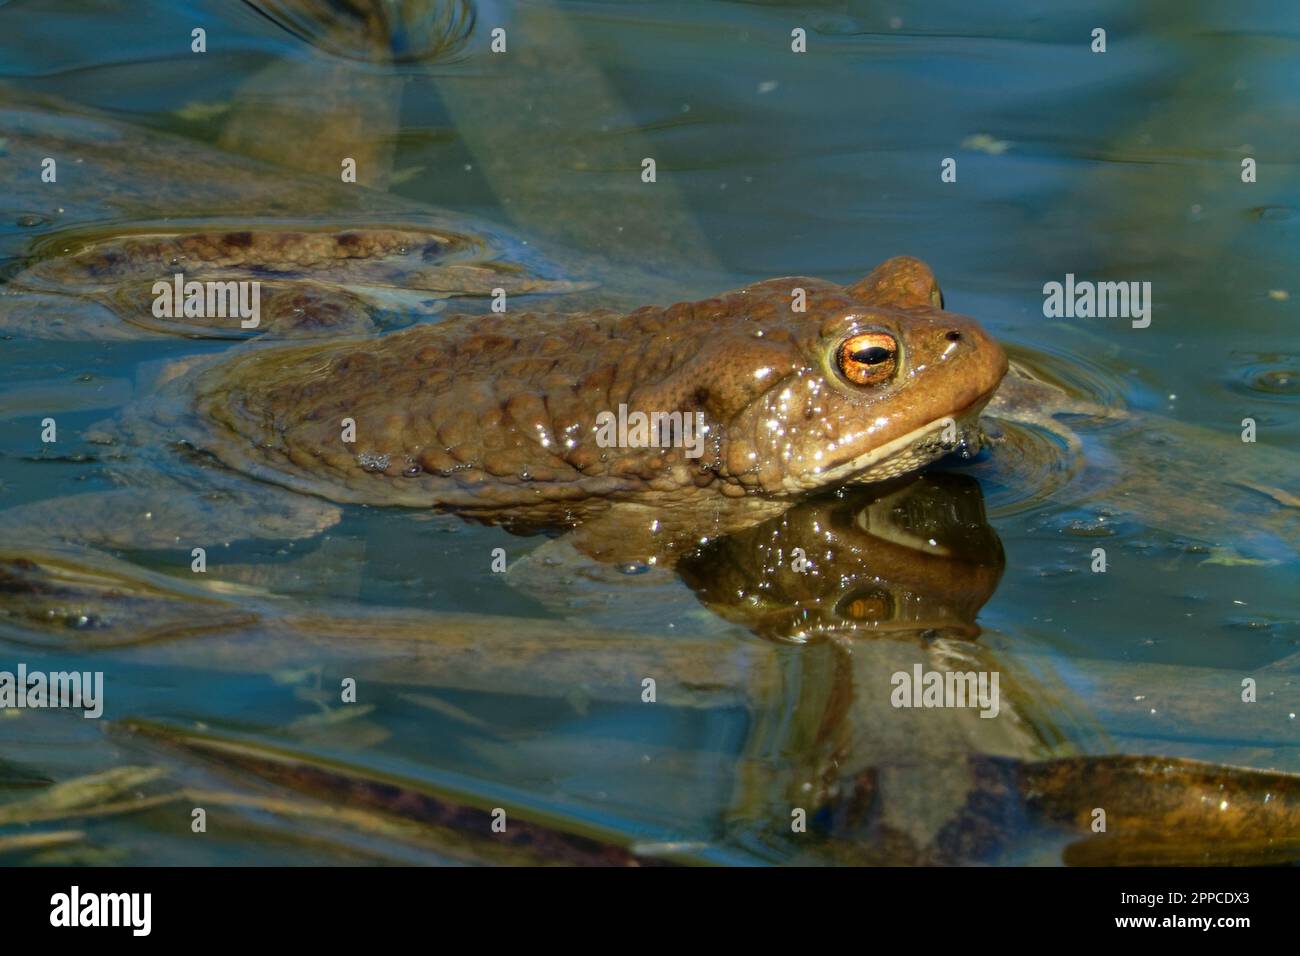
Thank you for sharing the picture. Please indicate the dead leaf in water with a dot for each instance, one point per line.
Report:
(39, 841)
(455, 823)
(93, 791)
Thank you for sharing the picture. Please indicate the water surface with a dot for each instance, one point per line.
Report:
(1122, 166)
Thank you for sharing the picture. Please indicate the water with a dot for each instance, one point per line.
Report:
(1123, 165)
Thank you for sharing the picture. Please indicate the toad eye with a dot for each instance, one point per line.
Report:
(868, 358)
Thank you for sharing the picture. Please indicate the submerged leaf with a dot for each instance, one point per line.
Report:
(80, 793)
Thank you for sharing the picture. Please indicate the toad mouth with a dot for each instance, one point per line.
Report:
(911, 451)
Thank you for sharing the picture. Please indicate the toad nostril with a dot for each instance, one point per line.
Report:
(953, 336)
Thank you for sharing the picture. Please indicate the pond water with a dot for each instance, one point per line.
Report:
(477, 692)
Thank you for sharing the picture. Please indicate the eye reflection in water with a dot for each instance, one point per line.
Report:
(914, 558)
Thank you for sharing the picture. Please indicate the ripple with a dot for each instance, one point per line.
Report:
(1272, 374)
(420, 31)
(1027, 467)
(1084, 381)
(1030, 462)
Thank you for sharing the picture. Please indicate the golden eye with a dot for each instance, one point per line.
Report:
(868, 358)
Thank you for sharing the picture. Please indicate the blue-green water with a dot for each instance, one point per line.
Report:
(1123, 165)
